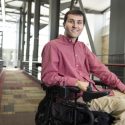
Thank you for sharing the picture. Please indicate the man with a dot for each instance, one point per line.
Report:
(67, 61)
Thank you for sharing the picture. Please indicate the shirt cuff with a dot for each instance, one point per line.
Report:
(121, 87)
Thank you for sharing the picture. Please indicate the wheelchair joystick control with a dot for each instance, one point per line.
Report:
(89, 94)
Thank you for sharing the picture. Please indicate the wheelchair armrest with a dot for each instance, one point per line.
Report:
(68, 91)
(72, 91)
(62, 91)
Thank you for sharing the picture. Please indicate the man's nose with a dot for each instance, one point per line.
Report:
(74, 24)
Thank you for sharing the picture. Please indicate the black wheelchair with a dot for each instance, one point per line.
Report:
(60, 107)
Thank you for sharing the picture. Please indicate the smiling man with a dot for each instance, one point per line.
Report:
(73, 26)
(68, 62)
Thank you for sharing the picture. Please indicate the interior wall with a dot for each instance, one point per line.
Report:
(117, 27)
(98, 30)
(105, 48)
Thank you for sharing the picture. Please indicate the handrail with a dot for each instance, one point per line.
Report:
(115, 65)
(38, 64)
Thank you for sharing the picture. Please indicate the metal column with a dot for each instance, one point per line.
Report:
(23, 37)
(1, 44)
(117, 27)
(54, 18)
(36, 37)
(28, 34)
(19, 45)
(117, 36)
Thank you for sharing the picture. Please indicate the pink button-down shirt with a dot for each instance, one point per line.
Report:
(64, 63)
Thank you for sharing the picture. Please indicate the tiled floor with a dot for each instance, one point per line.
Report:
(19, 93)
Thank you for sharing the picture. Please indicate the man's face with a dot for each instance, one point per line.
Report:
(73, 26)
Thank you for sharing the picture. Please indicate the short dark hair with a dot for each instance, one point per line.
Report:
(75, 12)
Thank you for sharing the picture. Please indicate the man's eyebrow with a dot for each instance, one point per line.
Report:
(75, 20)
(79, 20)
(70, 19)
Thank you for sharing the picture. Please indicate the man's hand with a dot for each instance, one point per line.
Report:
(82, 85)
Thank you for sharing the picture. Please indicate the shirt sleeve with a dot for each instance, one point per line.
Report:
(50, 71)
(102, 72)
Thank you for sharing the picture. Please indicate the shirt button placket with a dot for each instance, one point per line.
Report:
(76, 61)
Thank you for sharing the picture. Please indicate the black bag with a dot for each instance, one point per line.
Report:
(64, 113)
(60, 112)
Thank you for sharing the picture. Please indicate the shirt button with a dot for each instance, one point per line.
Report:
(76, 55)
(77, 65)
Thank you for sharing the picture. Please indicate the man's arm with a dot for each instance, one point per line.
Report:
(102, 72)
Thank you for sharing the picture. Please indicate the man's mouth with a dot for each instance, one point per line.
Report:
(74, 31)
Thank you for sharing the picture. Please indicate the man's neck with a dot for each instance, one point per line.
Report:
(72, 39)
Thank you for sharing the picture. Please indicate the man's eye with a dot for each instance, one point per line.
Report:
(79, 22)
(70, 21)
(73, 22)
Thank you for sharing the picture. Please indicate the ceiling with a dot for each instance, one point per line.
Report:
(12, 8)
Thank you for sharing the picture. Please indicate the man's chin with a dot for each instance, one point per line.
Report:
(73, 36)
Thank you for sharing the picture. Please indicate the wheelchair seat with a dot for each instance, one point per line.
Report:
(60, 107)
